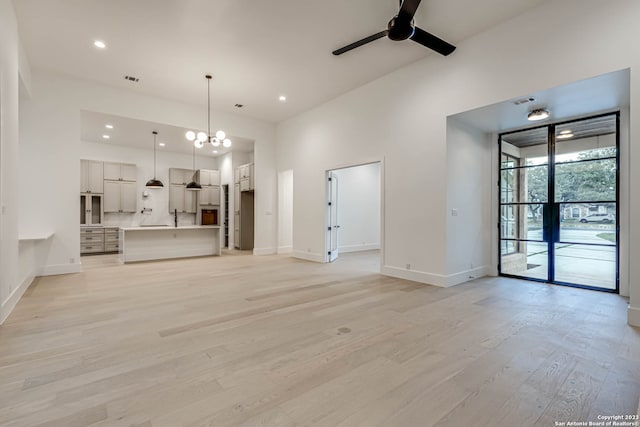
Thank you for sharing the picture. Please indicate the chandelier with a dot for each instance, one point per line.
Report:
(200, 138)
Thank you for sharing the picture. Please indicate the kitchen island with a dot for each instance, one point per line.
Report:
(164, 242)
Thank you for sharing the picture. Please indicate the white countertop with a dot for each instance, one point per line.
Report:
(156, 228)
(35, 236)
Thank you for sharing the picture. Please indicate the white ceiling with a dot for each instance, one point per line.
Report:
(138, 133)
(255, 49)
(585, 97)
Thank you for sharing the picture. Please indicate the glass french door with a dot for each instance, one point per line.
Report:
(559, 203)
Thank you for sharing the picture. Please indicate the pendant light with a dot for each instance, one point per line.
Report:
(200, 138)
(154, 183)
(193, 185)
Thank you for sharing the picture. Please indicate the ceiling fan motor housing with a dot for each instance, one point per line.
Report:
(400, 29)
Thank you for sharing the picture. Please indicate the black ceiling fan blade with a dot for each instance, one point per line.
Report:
(408, 9)
(432, 42)
(359, 43)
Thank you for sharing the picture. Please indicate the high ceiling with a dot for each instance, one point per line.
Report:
(256, 50)
(138, 133)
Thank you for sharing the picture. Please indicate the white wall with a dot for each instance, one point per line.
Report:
(50, 136)
(10, 289)
(158, 199)
(402, 118)
(469, 202)
(359, 208)
(285, 211)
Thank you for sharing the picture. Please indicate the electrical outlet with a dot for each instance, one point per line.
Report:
(72, 260)
(408, 266)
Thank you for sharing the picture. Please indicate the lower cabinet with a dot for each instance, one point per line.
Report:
(91, 240)
(111, 239)
(96, 240)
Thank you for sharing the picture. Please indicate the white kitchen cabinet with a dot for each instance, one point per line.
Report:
(180, 176)
(210, 195)
(91, 212)
(181, 199)
(120, 171)
(236, 197)
(245, 174)
(91, 176)
(208, 177)
(119, 196)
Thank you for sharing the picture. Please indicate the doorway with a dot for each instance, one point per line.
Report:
(353, 211)
(559, 203)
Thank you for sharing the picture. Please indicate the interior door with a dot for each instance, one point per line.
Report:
(332, 205)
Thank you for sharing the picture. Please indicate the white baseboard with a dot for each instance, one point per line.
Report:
(264, 251)
(10, 303)
(359, 248)
(308, 256)
(633, 316)
(285, 249)
(465, 276)
(414, 275)
(52, 270)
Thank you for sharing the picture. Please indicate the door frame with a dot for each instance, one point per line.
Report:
(381, 162)
(551, 141)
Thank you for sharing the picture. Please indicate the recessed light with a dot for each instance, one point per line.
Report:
(282, 98)
(162, 144)
(99, 44)
(106, 136)
(215, 151)
(565, 135)
(109, 126)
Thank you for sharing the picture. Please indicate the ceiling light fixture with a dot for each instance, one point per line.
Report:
(538, 114)
(154, 183)
(106, 136)
(109, 126)
(162, 144)
(565, 135)
(200, 138)
(99, 44)
(282, 98)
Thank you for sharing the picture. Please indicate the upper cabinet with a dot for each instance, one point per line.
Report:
(210, 182)
(120, 187)
(180, 176)
(120, 172)
(245, 177)
(91, 175)
(208, 177)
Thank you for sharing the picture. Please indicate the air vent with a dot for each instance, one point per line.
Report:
(239, 105)
(523, 101)
(132, 79)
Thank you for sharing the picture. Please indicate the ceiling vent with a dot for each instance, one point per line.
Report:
(524, 101)
(132, 79)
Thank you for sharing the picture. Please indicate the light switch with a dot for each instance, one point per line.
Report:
(454, 212)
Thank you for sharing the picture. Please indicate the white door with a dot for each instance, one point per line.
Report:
(332, 229)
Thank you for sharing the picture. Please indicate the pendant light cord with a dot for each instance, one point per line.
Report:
(155, 134)
(209, 107)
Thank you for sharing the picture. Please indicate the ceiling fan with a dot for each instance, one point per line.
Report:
(402, 27)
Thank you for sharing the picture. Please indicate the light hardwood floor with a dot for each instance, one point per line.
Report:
(240, 340)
